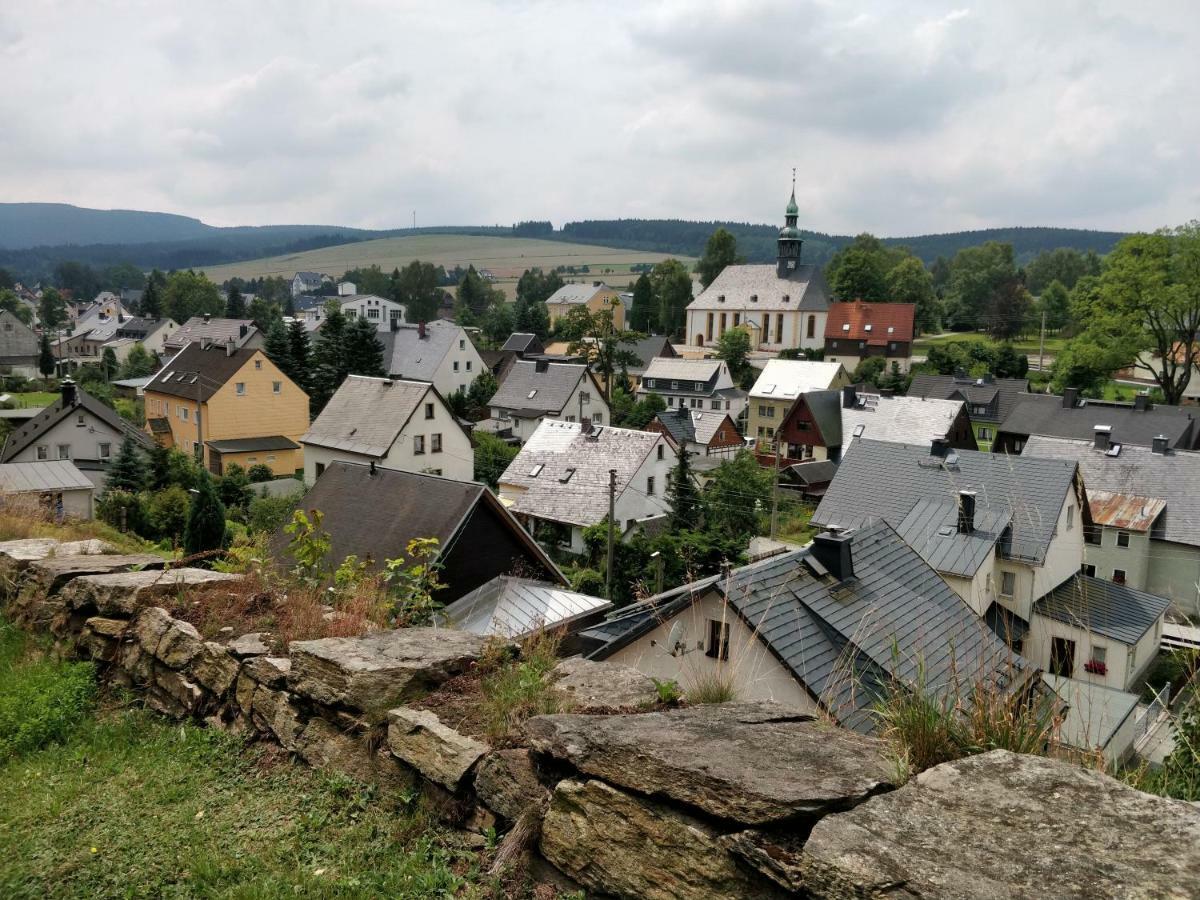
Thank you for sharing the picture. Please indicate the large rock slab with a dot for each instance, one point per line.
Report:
(438, 752)
(1007, 825)
(379, 671)
(100, 637)
(508, 784)
(618, 844)
(215, 668)
(325, 746)
(27, 550)
(124, 593)
(753, 763)
(589, 686)
(49, 575)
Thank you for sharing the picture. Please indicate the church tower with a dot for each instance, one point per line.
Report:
(788, 259)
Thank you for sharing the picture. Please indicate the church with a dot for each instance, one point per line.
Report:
(784, 305)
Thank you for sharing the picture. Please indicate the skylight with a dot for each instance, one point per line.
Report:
(768, 389)
(846, 326)
(567, 475)
(536, 470)
(859, 429)
(891, 329)
(867, 327)
(531, 394)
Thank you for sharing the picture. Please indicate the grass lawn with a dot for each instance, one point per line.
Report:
(794, 521)
(33, 398)
(1026, 345)
(112, 801)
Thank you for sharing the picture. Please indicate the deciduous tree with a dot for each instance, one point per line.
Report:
(719, 252)
(672, 287)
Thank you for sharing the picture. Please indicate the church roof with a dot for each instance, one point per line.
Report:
(761, 287)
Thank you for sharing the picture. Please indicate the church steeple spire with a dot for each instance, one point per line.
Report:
(789, 240)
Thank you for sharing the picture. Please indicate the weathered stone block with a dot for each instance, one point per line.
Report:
(135, 662)
(754, 763)
(149, 627)
(269, 671)
(1007, 825)
(188, 694)
(244, 692)
(588, 685)
(252, 644)
(324, 746)
(615, 843)
(275, 712)
(375, 672)
(215, 668)
(507, 782)
(100, 638)
(179, 645)
(438, 752)
(124, 593)
(47, 576)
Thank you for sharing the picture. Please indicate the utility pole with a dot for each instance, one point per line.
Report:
(1042, 345)
(199, 427)
(775, 492)
(612, 530)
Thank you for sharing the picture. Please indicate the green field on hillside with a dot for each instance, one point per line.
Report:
(506, 258)
(1027, 345)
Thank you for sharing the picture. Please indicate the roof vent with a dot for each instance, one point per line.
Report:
(1159, 444)
(1102, 437)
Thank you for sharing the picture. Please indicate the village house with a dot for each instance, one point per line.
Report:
(438, 352)
(391, 423)
(776, 389)
(513, 608)
(538, 390)
(215, 330)
(989, 399)
(55, 489)
(76, 427)
(1075, 418)
(646, 350)
(152, 334)
(783, 305)
(234, 403)
(595, 296)
(558, 484)
(373, 513)
(694, 384)
(856, 331)
(523, 344)
(19, 348)
(1145, 504)
(702, 434)
(817, 628)
(308, 282)
(379, 311)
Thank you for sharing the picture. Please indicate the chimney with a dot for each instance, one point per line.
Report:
(1102, 437)
(69, 396)
(966, 512)
(888, 392)
(541, 365)
(206, 318)
(938, 447)
(1070, 397)
(1159, 444)
(1142, 401)
(834, 553)
(230, 347)
(372, 469)
(585, 425)
(242, 329)
(421, 331)
(989, 378)
(849, 396)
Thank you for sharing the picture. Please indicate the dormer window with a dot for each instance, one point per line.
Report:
(867, 327)
(846, 326)
(754, 298)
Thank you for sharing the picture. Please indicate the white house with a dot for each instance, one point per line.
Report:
(537, 390)
(56, 489)
(558, 484)
(379, 311)
(438, 352)
(393, 424)
(307, 282)
(693, 384)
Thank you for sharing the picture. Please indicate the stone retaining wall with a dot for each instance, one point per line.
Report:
(736, 800)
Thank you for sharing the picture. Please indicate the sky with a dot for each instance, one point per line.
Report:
(899, 117)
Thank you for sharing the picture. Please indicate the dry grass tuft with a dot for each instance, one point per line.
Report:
(711, 687)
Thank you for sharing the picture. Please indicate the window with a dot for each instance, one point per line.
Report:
(276, 387)
(985, 434)
(536, 470)
(104, 450)
(1132, 658)
(320, 469)
(696, 403)
(373, 313)
(598, 418)
(468, 365)
(183, 413)
(699, 385)
(271, 457)
(1070, 516)
(429, 410)
(718, 639)
(660, 451)
(456, 365)
(241, 388)
(1122, 538)
(1099, 654)
(585, 397)
(258, 364)
(650, 486)
(64, 451)
(1118, 576)
(1008, 584)
(43, 452)
(79, 421)
(566, 476)
(419, 444)
(1062, 657)
(674, 385)
(462, 344)
(812, 326)
(1088, 569)
(435, 443)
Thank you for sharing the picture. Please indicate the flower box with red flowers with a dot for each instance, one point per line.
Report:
(1096, 668)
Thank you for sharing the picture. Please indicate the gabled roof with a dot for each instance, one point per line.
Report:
(512, 607)
(1103, 607)
(703, 370)
(813, 471)
(44, 475)
(877, 479)
(804, 289)
(837, 638)
(1173, 476)
(408, 355)
(693, 425)
(1094, 714)
(931, 528)
(309, 276)
(140, 327)
(197, 372)
(538, 387)
(22, 437)
(17, 341)
(522, 342)
(875, 323)
(561, 473)
(1047, 415)
(648, 348)
(976, 391)
(1126, 511)
(786, 379)
(577, 293)
(825, 407)
(263, 444)
(900, 419)
(366, 415)
(217, 330)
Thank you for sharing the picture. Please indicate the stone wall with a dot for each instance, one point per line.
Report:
(737, 800)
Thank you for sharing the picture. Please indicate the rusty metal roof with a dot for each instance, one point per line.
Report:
(1127, 511)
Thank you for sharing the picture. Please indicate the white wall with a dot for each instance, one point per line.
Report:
(84, 440)
(448, 379)
(633, 501)
(1125, 665)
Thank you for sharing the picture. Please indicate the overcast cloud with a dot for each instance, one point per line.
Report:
(901, 118)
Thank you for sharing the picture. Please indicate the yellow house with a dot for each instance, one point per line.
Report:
(595, 296)
(776, 390)
(235, 403)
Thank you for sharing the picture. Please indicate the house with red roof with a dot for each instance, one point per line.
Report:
(856, 330)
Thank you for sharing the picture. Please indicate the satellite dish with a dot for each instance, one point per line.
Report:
(675, 638)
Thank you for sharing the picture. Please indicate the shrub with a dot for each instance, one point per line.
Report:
(259, 472)
(167, 511)
(113, 502)
(267, 514)
(206, 520)
(516, 690)
(668, 691)
(712, 687)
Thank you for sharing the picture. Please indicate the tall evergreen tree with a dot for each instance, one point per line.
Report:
(206, 520)
(682, 493)
(152, 303)
(235, 304)
(362, 350)
(329, 359)
(45, 357)
(300, 354)
(128, 471)
(278, 348)
(289, 306)
(642, 313)
(108, 362)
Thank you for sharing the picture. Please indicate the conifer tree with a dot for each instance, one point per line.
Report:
(682, 494)
(46, 357)
(300, 354)
(362, 351)
(128, 471)
(278, 348)
(151, 306)
(206, 520)
(235, 304)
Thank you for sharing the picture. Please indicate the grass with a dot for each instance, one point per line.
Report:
(505, 257)
(33, 399)
(1026, 345)
(21, 520)
(711, 687)
(795, 521)
(514, 690)
(122, 803)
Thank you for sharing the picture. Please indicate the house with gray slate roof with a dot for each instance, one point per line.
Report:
(1074, 418)
(816, 628)
(18, 347)
(438, 352)
(702, 434)
(694, 384)
(390, 423)
(1151, 543)
(1006, 533)
(537, 390)
(989, 399)
(558, 484)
